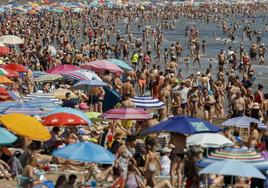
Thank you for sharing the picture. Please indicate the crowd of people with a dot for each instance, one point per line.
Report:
(136, 35)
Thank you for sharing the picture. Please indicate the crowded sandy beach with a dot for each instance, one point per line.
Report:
(133, 94)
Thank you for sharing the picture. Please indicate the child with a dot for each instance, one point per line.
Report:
(166, 58)
(187, 61)
(210, 63)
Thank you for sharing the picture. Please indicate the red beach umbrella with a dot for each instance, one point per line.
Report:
(63, 119)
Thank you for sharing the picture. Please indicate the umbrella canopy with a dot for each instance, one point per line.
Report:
(102, 65)
(81, 75)
(11, 39)
(4, 50)
(239, 154)
(60, 93)
(147, 102)
(123, 65)
(94, 116)
(22, 108)
(233, 168)
(211, 140)
(71, 111)
(243, 122)
(11, 73)
(63, 119)
(25, 126)
(3, 72)
(111, 98)
(39, 73)
(6, 137)
(125, 113)
(183, 125)
(15, 67)
(85, 152)
(86, 84)
(5, 80)
(48, 77)
(62, 68)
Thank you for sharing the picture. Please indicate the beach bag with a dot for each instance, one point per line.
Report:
(83, 106)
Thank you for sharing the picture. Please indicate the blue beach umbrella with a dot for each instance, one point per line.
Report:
(23, 108)
(121, 64)
(6, 137)
(111, 98)
(85, 152)
(183, 125)
(71, 111)
(233, 168)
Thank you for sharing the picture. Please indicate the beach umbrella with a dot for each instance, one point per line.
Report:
(6, 104)
(71, 111)
(39, 73)
(147, 102)
(101, 65)
(48, 77)
(94, 116)
(81, 75)
(85, 152)
(61, 93)
(11, 73)
(62, 68)
(4, 50)
(240, 154)
(123, 65)
(45, 106)
(111, 99)
(86, 84)
(11, 39)
(23, 108)
(183, 125)
(3, 72)
(126, 113)
(63, 119)
(233, 168)
(76, 10)
(243, 122)
(27, 126)
(40, 95)
(6, 137)
(5, 80)
(211, 140)
(15, 67)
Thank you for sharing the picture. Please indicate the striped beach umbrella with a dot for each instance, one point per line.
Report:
(243, 122)
(239, 154)
(211, 140)
(23, 108)
(125, 113)
(81, 75)
(147, 102)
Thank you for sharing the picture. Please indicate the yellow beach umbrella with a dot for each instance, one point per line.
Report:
(24, 125)
(61, 93)
(5, 80)
(94, 116)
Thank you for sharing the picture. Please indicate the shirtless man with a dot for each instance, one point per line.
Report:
(238, 105)
(127, 88)
(173, 66)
